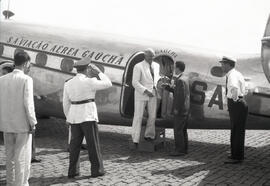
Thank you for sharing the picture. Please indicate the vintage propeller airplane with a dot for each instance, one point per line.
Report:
(54, 50)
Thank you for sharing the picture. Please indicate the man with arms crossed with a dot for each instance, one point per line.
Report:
(81, 112)
(144, 80)
(17, 120)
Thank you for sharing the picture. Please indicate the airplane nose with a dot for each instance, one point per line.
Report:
(265, 52)
(265, 56)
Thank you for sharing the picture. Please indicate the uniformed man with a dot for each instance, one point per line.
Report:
(81, 112)
(238, 109)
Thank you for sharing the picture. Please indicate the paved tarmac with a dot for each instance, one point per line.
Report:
(202, 166)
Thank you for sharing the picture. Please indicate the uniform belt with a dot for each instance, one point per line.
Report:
(82, 102)
(239, 97)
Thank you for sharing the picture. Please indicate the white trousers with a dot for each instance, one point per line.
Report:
(139, 107)
(18, 158)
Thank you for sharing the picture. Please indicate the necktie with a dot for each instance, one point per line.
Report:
(152, 72)
(226, 85)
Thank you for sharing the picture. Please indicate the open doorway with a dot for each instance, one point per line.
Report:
(127, 94)
(164, 103)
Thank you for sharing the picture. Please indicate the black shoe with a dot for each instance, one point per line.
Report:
(177, 154)
(97, 175)
(34, 160)
(73, 176)
(230, 157)
(83, 147)
(148, 139)
(233, 161)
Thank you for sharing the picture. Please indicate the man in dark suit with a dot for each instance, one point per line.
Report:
(181, 105)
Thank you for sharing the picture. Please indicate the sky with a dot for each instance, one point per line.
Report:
(229, 26)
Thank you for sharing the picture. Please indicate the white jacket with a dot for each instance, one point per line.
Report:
(82, 88)
(17, 110)
(142, 79)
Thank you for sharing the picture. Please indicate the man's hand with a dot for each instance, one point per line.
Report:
(165, 85)
(32, 129)
(94, 69)
(175, 111)
(67, 124)
(148, 93)
(234, 93)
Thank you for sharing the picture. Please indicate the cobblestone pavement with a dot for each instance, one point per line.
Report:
(202, 166)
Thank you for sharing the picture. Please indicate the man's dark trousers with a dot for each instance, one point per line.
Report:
(89, 130)
(238, 112)
(180, 133)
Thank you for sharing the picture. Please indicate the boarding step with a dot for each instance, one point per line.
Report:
(150, 146)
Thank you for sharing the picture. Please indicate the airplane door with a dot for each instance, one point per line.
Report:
(127, 93)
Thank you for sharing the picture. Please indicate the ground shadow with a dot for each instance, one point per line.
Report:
(54, 180)
(2, 167)
(211, 159)
(47, 152)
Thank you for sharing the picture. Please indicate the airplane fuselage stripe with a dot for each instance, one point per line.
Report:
(60, 55)
(53, 69)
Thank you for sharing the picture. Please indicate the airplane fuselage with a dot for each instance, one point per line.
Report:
(53, 52)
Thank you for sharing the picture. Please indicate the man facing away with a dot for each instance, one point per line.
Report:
(17, 120)
(144, 80)
(238, 109)
(81, 112)
(181, 106)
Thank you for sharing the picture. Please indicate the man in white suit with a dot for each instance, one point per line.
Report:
(17, 120)
(144, 80)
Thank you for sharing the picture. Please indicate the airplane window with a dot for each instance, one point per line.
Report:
(1, 49)
(101, 67)
(18, 50)
(41, 59)
(217, 71)
(67, 64)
